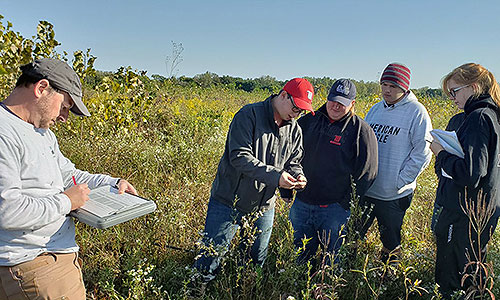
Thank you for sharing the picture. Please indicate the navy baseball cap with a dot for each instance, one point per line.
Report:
(62, 77)
(342, 91)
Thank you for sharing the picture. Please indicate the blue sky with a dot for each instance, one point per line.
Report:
(283, 39)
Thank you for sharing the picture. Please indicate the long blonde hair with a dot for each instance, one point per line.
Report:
(481, 80)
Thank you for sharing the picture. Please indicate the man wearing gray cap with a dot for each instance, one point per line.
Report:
(38, 253)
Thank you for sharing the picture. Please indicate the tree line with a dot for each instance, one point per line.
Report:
(268, 83)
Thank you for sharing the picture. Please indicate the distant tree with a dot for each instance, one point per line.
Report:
(229, 80)
(207, 79)
(429, 93)
(365, 89)
(321, 85)
(245, 84)
(159, 77)
(172, 61)
(185, 81)
(268, 83)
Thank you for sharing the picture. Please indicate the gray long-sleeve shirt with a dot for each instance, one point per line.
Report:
(33, 175)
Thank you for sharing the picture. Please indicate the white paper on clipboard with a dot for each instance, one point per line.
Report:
(449, 141)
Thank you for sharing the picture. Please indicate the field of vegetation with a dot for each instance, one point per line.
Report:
(166, 136)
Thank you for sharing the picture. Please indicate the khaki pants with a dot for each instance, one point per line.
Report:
(49, 276)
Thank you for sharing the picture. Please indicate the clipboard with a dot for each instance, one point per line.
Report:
(449, 141)
(107, 208)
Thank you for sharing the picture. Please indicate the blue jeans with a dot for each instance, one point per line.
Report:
(322, 225)
(220, 227)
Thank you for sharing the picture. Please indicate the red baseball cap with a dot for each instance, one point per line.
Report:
(302, 93)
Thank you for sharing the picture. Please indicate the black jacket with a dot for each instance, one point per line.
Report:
(453, 125)
(257, 151)
(479, 170)
(335, 152)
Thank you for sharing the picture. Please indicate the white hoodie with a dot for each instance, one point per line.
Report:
(403, 153)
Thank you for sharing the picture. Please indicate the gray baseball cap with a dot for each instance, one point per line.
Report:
(62, 77)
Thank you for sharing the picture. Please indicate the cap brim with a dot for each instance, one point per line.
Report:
(342, 100)
(303, 104)
(79, 108)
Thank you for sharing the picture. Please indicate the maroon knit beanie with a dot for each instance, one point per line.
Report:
(397, 74)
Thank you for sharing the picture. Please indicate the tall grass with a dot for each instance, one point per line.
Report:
(167, 140)
(168, 143)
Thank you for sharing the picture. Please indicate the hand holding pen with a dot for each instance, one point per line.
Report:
(78, 194)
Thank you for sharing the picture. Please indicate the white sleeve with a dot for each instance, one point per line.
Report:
(18, 211)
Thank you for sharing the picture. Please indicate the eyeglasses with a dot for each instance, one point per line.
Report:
(295, 109)
(453, 91)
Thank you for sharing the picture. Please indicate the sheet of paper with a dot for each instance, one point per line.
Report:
(105, 201)
(449, 141)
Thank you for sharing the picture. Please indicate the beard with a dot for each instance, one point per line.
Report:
(45, 123)
(44, 109)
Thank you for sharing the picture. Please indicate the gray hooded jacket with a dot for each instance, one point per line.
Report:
(403, 152)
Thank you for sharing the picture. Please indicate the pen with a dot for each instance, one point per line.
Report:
(74, 180)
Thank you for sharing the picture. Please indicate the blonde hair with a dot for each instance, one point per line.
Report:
(481, 80)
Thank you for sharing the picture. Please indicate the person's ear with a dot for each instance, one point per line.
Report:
(475, 87)
(40, 86)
